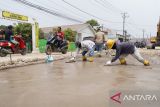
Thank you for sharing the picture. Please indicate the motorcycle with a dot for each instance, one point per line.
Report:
(52, 45)
(7, 47)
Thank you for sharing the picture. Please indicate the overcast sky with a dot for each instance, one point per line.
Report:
(143, 14)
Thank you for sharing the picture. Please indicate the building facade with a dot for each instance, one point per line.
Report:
(82, 30)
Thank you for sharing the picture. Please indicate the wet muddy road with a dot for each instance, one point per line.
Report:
(80, 84)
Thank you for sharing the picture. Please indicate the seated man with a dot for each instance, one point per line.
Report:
(60, 36)
(87, 46)
(9, 33)
(123, 50)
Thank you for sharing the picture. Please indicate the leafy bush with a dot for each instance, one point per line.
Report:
(70, 35)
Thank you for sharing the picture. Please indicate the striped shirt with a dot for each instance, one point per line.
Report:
(87, 44)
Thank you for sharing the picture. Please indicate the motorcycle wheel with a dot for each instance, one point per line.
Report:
(64, 51)
(3, 54)
(48, 50)
(23, 52)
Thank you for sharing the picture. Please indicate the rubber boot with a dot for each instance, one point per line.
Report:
(123, 61)
(90, 59)
(99, 55)
(84, 58)
(146, 63)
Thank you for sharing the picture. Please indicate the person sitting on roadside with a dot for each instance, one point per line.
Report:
(87, 46)
(123, 50)
(9, 33)
(60, 36)
(99, 40)
(59, 33)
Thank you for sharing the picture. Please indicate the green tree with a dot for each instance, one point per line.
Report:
(93, 22)
(3, 27)
(24, 29)
(70, 35)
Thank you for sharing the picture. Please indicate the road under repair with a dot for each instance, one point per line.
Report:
(79, 84)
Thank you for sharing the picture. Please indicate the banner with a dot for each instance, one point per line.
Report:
(10, 15)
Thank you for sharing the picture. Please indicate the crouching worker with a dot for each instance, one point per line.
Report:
(87, 46)
(123, 50)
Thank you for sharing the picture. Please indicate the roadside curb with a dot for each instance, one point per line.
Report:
(25, 62)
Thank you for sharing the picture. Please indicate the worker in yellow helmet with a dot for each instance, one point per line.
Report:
(123, 50)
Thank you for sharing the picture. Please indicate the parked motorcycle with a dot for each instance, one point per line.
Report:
(52, 45)
(7, 47)
(141, 44)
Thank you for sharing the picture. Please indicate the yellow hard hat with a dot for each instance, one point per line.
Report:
(110, 43)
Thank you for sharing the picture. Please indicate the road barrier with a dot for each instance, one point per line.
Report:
(42, 45)
(71, 47)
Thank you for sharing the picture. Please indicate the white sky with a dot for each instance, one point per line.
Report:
(143, 14)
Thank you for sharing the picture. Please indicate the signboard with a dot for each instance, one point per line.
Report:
(10, 15)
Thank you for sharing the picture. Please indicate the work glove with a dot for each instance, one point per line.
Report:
(73, 59)
(108, 63)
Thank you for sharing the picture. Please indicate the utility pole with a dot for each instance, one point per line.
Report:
(124, 16)
(143, 33)
(102, 27)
